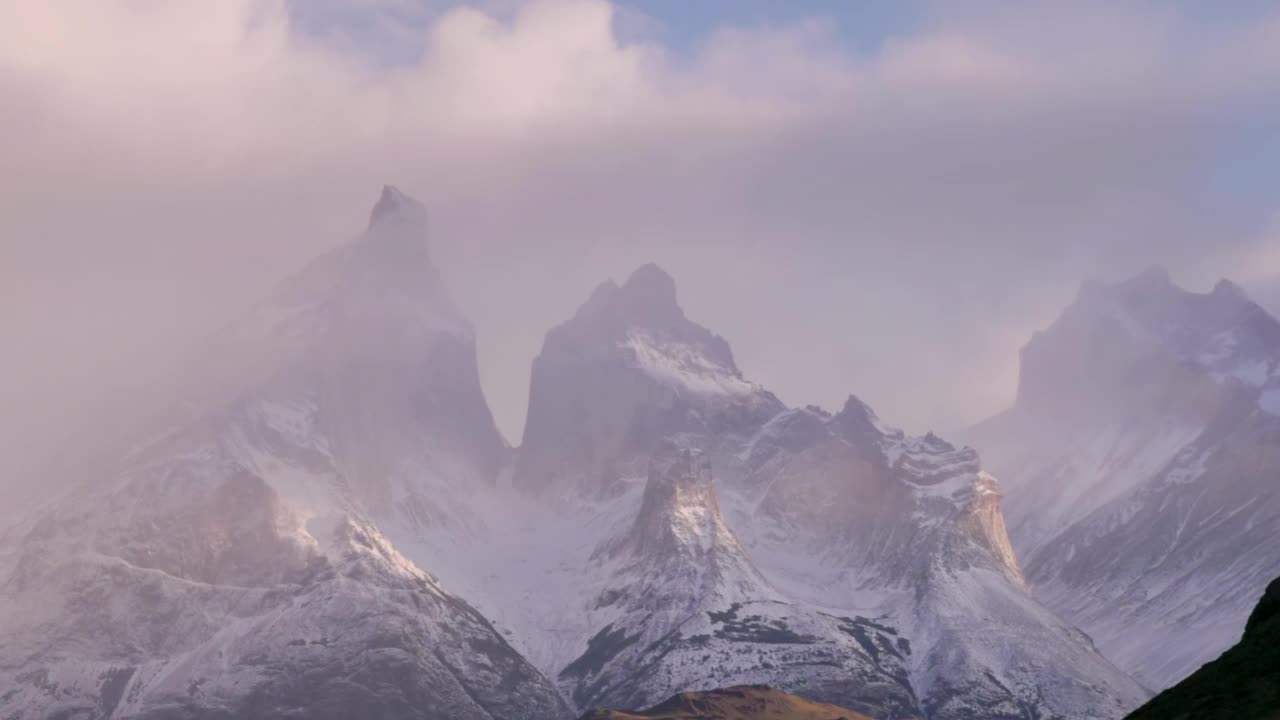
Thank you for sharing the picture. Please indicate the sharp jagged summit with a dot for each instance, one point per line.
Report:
(393, 204)
(628, 369)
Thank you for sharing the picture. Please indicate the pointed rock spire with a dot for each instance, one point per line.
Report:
(1230, 290)
(652, 286)
(647, 298)
(395, 205)
(396, 239)
(859, 420)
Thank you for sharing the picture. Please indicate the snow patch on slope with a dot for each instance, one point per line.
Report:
(684, 365)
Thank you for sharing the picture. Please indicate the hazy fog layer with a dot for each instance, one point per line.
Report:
(892, 223)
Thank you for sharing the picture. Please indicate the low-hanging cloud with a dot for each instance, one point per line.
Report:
(890, 224)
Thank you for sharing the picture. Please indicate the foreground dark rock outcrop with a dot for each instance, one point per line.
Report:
(1242, 684)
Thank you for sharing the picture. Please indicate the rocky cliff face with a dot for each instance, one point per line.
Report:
(856, 511)
(870, 497)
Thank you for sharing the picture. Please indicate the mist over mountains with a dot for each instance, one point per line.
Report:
(730, 359)
(323, 518)
(956, 171)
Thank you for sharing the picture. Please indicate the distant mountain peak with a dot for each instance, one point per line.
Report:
(1129, 343)
(396, 239)
(1136, 409)
(1154, 277)
(858, 418)
(394, 204)
(627, 370)
(856, 406)
(1153, 289)
(646, 299)
(1152, 285)
(652, 283)
(1228, 289)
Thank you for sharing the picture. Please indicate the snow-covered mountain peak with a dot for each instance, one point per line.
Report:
(953, 492)
(642, 325)
(680, 539)
(680, 511)
(929, 461)
(1135, 411)
(926, 462)
(625, 372)
(1195, 326)
(357, 378)
(680, 605)
(1146, 343)
(676, 362)
(240, 562)
(858, 420)
(360, 544)
(644, 321)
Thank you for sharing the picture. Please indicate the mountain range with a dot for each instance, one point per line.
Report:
(1141, 459)
(326, 521)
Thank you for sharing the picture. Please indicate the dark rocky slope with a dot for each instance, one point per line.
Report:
(1242, 684)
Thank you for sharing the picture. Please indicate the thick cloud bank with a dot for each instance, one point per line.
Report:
(893, 223)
